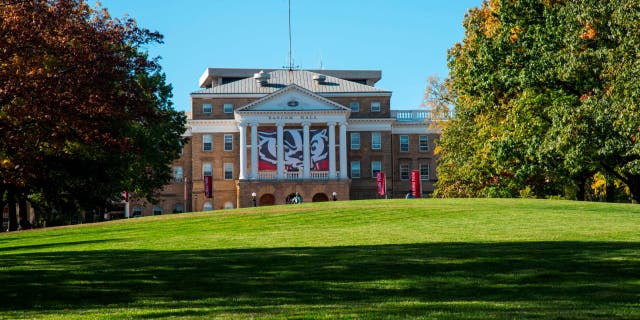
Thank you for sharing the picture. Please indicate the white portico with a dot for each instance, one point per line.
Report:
(303, 146)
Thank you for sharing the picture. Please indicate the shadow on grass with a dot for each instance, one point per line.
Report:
(532, 279)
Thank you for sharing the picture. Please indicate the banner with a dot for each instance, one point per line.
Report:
(208, 186)
(416, 189)
(382, 183)
(293, 149)
(185, 189)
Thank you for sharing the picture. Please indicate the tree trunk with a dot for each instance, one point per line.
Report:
(610, 188)
(2, 205)
(23, 212)
(580, 195)
(13, 216)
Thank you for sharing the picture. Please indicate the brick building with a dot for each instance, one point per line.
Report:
(257, 137)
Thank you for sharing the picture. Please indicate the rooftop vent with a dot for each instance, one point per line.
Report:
(261, 78)
(320, 78)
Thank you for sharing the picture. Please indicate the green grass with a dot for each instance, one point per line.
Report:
(389, 259)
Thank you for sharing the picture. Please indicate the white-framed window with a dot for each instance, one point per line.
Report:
(207, 206)
(178, 174)
(228, 142)
(376, 166)
(355, 140)
(404, 172)
(375, 106)
(355, 106)
(376, 141)
(404, 143)
(206, 108)
(207, 169)
(355, 169)
(228, 171)
(424, 143)
(137, 211)
(424, 171)
(157, 211)
(178, 208)
(207, 142)
(227, 107)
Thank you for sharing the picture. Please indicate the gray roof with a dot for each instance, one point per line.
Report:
(282, 78)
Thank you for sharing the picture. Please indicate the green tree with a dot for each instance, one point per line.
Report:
(545, 98)
(84, 112)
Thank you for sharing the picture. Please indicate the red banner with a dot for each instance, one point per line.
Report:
(382, 183)
(208, 186)
(416, 189)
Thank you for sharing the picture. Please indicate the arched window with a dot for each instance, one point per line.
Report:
(228, 205)
(179, 208)
(157, 211)
(208, 206)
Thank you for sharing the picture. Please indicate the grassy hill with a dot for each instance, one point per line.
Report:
(439, 259)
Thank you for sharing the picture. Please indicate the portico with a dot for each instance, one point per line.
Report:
(294, 112)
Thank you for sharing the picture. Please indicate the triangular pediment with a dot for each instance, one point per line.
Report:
(293, 98)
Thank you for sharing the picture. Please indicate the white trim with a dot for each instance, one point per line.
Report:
(417, 129)
(287, 89)
(213, 126)
(195, 95)
(355, 94)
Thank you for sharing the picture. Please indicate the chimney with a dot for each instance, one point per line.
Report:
(261, 78)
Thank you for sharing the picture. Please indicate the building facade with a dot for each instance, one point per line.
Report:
(261, 137)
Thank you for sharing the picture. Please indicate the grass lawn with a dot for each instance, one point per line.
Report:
(390, 259)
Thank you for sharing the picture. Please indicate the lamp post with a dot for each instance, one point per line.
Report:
(253, 198)
(335, 196)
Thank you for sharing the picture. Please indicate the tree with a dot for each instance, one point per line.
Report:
(84, 112)
(545, 98)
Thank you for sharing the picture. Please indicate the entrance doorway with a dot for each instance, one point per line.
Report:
(320, 197)
(267, 200)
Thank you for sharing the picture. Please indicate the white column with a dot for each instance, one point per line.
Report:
(254, 150)
(280, 150)
(306, 151)
(343, 150)
(243, 150)
(332, 150)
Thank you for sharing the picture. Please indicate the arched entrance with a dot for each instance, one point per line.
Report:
(267, 200)
(320, 197)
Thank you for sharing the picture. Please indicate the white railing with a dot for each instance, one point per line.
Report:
(416, 115)
(295, 175)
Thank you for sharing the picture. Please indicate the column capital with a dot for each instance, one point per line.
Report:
(331, 124)
(254, 123)
(306, 124)
(242, 124)
(343, 123)
(280, 123)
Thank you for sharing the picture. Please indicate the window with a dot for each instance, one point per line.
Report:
(424, 144)
(404, 143)
(177, 174)
(208, 206)
(376, 166)
(137, 211)
(355, 169)
(404, 172)
(355, 140)
(227, 107)
(424, 171)
(207, 169)
(206, 108)
(228, 142)
(376, 141)
(355, 106)
(157, 211)
(375, 106)
(207, 142)
(228, 171)
(178, 208)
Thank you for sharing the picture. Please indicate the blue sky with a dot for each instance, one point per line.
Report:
(406, 39)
